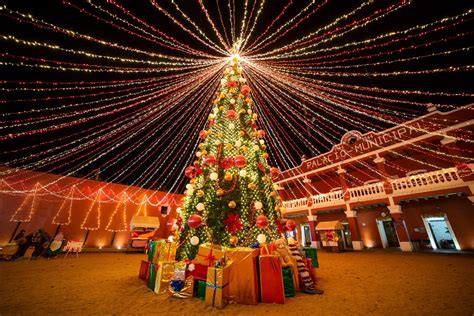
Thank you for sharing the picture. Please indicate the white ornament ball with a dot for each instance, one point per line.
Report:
(261, 238)
(213, 176)
(223, 81)
(216, 110)
(232, 101)
(258, 205)
(256, 148)
(249, 112)
(238, 143)
(231, 125)
(231, 72)
(189, 186)
(189, 192)
(243, 173)
(170, 238)
(276, 187)
(179, 210)
(191, 267)
(262, 142)
(243, 80)
(200, 207)
(194, 240)
(217, 142)
(198, 154)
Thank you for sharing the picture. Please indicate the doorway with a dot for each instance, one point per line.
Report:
(440, 233)
(388, 233)
(346, 236)
(305, 235)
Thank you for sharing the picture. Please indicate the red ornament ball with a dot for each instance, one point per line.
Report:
(291, 224)
(231, 115)
(274, 172)
(195, 221)
(227, 162)
(170, 224)
(190, 172)
(240, 161)
(210, 160)
(261, 134)
(232, 84)
(262, 221)
(203, 134)
(245, 89)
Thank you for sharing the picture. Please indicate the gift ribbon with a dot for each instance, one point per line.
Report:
(209, 257)
(215, 287)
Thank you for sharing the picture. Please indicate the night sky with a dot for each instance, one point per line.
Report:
(68, 113)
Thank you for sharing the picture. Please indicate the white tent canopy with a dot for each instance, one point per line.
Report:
(331, 225)
(144, 222)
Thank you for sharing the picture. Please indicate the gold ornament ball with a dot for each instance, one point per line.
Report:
(203, 152)
(245, 149)
(228, 146)
(200, 193)
(265, 155)
(220, 135)
(252, 186)
(241, 133)
(228, 176)
(232, 204)
(242, 111)
(272, 193)
(233, 240)
(264, 179)
(220, 192)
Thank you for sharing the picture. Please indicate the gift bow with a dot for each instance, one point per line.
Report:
(209, 257)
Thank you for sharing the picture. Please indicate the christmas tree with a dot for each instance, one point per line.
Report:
(230, 199)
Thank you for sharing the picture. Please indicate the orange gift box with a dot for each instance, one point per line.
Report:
(271, 280)
(217, 287)
(208, 254)
(243, 284)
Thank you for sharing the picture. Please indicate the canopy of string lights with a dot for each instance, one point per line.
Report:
(120, 90)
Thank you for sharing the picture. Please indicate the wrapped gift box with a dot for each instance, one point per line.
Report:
(153, 268)
(201, 289)
(271, 280)
(163, 277)
(199, 272)
(153, 248)
(217, 287)
(313, 254)
(144, 270)
(208, 254)
(182, 288)
(243, 286)
(288, 284)
(167, 251)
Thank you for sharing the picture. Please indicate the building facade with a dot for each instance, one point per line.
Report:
(409, 187)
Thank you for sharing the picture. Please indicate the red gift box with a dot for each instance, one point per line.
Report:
(144, 270)
(271, 281)
(199, 272)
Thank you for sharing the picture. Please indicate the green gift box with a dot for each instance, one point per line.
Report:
(288, 282)
(152, 276)
(201, 289)
(313, 254)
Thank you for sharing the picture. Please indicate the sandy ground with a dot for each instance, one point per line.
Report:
(388, 283)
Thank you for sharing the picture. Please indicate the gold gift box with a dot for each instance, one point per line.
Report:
(208, 254)
(217, 287)
(167, 251)
(243, 282)
(163, 276)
